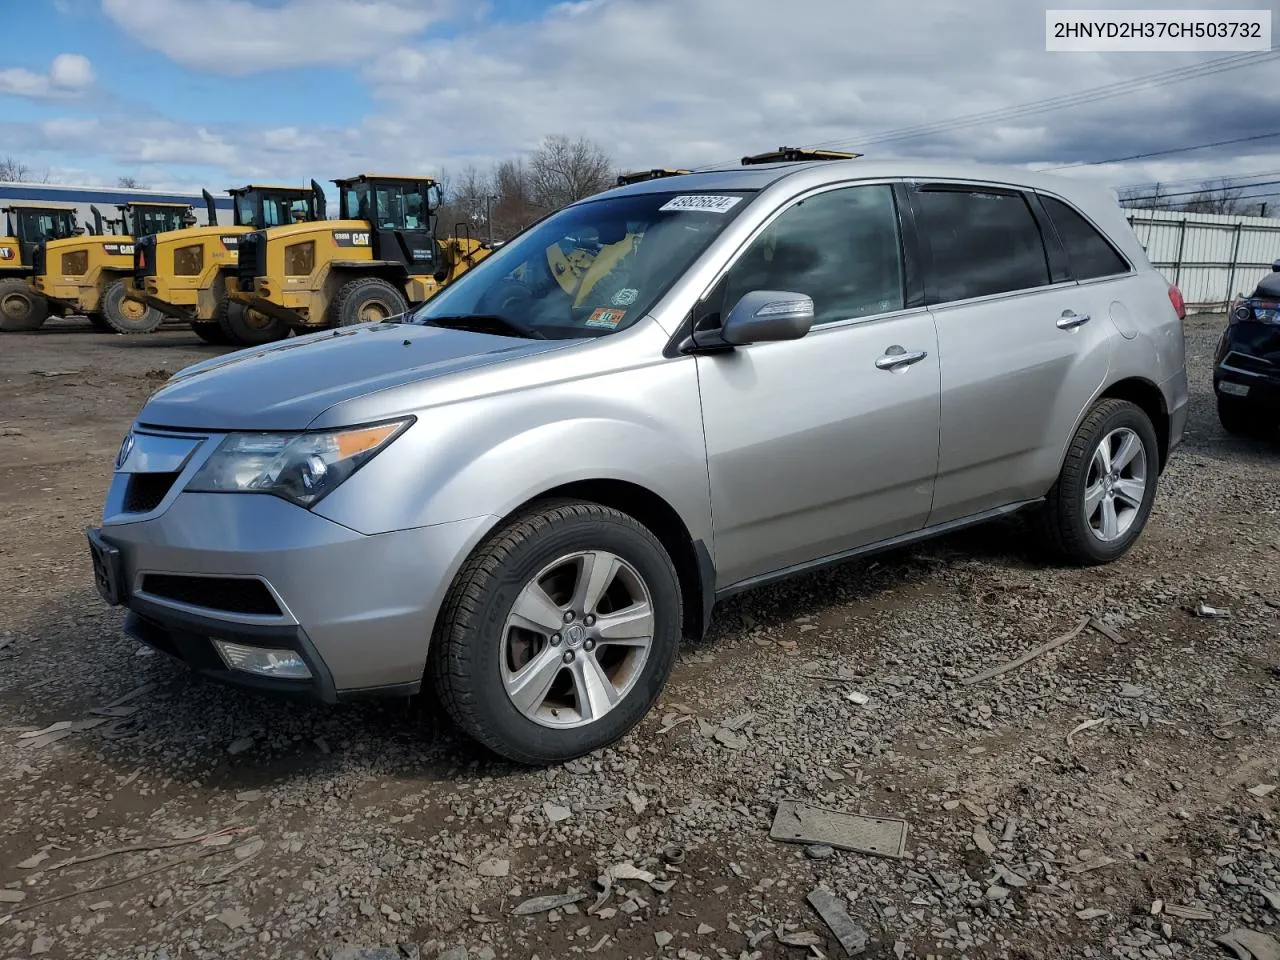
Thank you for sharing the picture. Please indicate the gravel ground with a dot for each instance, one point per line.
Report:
(194, 820)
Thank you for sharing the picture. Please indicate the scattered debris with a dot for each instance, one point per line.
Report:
(54, 373)
(250, 849)
(556, 813)
(1262, 789)
(133, 694)
(1132, 691)
(860, 699)
(554, 901)
(662, 938)
(1087, 725)
(982, 840)
(367, 953)
(798, 823)
(249, 796)
(1202, 609)
(8, 895)
(1107, 630)
(34, 860)
(801, 938)
(232, 919)
(819, 851)
(1093, 863)
(1187, 913)
(1092, 913)
(1028, 656)
(237, 747)
(673, 853)
(1250, 944)
(494, 868)
(835, 915)
(1272, 898)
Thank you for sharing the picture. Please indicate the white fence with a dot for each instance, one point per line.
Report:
(1211, 257)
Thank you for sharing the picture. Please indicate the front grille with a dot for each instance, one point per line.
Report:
(251, 259)
(144, 259)
(229, 594)
(146, 490)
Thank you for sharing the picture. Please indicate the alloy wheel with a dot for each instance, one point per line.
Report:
(1116, 485)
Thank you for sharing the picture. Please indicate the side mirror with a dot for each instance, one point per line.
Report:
(1276, 266)
(767, 315)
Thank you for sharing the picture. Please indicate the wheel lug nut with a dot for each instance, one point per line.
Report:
(589, 645)
(568, 656)
(555, 639)
(568, 616)
(589, 620)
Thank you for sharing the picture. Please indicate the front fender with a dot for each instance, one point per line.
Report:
(487, 457)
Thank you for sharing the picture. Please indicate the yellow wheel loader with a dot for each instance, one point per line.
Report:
(87, 274)
(183, 274)
(382, 256)
(25, 229)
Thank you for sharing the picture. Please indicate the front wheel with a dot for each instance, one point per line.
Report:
(559, 632)
(366, 300)
(128, 316)
(1103, 496)
(21, 308)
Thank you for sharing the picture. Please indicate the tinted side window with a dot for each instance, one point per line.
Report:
(981, 243)
(840, 247)
(1089, 252)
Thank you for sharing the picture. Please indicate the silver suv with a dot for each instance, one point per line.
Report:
(527, 491)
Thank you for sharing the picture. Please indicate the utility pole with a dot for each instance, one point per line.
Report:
(488, 213)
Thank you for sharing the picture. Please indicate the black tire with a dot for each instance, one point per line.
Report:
(1067, 531)
(366, 300)
(128, 316)
(1240, 418)
(245, 327)
(210, 331)
(467, 647)
(21, 308)
(99, 322)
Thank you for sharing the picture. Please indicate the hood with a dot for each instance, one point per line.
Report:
(288, 384)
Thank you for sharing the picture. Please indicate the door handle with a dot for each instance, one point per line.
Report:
(895, 358)
(1070, 320)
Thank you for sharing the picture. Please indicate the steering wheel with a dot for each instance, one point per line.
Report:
(505, 294)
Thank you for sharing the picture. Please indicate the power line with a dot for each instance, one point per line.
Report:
(1200, 179)
(1190, 193)
(1092, 95)
(1162, 153)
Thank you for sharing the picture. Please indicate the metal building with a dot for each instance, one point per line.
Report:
(106, 199)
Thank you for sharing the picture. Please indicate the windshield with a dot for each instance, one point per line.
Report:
(394, 206)
(36, 225)
(591, 269)
(280, 209)
(147, 221)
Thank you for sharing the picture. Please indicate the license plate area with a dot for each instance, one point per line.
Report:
(108, 571)
(1233, 389)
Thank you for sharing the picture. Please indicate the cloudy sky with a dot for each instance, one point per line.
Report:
(180, 93)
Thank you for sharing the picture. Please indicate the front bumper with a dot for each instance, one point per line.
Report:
(1247, 365)
(359, 610)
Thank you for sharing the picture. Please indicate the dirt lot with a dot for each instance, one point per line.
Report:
(376, 824)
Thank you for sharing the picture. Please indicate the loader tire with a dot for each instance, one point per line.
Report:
(210, 331)
(99, 322)
(128, 316)
(366, 300)
(246, 327)
(21, 308)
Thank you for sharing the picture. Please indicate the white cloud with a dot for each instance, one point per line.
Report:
(69, 75)
(238, 37)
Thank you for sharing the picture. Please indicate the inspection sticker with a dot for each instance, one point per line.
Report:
(606, 317)
(705, 203)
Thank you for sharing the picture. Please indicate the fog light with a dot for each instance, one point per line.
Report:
(284, 664)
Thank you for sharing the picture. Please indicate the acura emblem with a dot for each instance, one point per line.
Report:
(126, 448)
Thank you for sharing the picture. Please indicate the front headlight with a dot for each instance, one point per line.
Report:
(299, 467)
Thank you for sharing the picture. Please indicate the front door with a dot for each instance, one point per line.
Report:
(823, 444)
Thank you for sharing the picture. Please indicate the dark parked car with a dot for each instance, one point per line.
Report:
(1246, 373)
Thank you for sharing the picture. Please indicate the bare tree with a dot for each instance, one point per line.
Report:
(130, 183)
(515, 207)
(12, 170)
(562, 171)
(1215, 198)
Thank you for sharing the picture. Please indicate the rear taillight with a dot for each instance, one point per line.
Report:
(1179, 305)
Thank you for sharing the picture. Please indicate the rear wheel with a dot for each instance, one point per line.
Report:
(559, 632)
(248, 327)
(1241, 418)
(128, 316)
(210, 331)
(21, 308)
(1106, 488)
(366, 300)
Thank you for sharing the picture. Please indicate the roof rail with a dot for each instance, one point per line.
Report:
(640, 176)
(793, 154)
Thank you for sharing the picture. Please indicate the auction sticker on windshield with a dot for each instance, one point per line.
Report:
(607, 318)
(705, 203)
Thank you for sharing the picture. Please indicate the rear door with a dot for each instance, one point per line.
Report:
(826, 443)
(1023, 347)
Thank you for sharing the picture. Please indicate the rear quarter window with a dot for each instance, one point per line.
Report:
(1090, 254)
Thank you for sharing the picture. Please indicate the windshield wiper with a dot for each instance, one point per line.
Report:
(465, 321)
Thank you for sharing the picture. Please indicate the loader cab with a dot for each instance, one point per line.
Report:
(148, 219)
(400, 212)
(31, 226)
(797, 155)
(640, 176)
(259, 207)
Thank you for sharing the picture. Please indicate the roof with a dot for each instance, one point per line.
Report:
(818, 172)
(155, 203)
(61, 193)
(291, 188)
(410, 178)
(61, 208)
